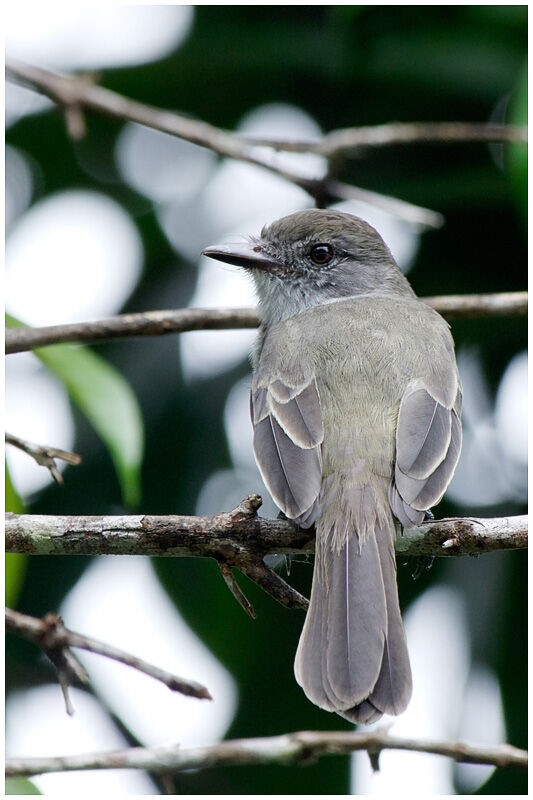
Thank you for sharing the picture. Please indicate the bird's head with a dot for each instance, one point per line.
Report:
(313, 257)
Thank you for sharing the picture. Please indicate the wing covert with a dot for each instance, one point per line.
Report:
(428, 445)
(288, 433)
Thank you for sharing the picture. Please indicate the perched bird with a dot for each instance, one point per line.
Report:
(356, 405)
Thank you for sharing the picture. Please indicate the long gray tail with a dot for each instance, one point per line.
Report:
(352, 656)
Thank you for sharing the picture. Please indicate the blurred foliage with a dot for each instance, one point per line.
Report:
(20, 786)
(15, 563)
(518, 153)
(107, 401)
(346, 66)
(13, 502)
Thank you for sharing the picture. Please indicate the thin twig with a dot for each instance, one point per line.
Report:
(51, 635)
(236, 590)
(78, 92)
(274, 585)
(338, 142)
(158, 323)
(146, 323)
(303, 747)
(462, 306)
(45, 455)
(349, 141)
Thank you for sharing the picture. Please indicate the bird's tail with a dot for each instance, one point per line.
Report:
(352, 657)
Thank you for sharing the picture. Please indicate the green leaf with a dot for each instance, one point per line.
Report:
(20, 786)
(517, 153)
(15, 563)
(108, 402)
(12, 500)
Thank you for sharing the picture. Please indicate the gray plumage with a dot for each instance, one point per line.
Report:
(356, 408)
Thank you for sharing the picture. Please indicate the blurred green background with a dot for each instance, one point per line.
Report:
(344, 66)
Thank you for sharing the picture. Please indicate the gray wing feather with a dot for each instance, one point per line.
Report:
(408, 516)
(300, 417)
(423, 436)
(288, 433)
(282, 392)
(291, 474)
(435, 486)
(428, 445)
(259, 405)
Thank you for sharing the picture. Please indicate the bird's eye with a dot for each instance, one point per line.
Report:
(321, 254)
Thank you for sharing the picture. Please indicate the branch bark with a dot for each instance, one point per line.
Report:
(241, 539)
(51, 635)
(232, 537)
(158, 323)
(291, 748)
(79, 92)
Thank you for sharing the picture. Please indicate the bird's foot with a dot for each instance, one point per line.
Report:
(422, 563)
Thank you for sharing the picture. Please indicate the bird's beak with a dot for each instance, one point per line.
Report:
(243, 254)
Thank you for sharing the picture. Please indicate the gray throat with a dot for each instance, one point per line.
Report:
(280, 298)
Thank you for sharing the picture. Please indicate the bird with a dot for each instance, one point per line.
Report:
(356, 411)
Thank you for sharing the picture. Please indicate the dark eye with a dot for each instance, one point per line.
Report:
(321, 254)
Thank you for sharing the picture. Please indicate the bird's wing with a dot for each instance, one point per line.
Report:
(288, 433)
(428, 444)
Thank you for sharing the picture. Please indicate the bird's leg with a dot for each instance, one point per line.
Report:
(424, 562)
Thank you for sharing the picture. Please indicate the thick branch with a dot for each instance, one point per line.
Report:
(157, 323)
(55, 640)
(291, 748)
(44, 455)
(240, 539)
(235, 536)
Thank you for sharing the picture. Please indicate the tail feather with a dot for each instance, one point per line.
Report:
(394, 687)
(355, 640)
(310, 671)
(363, 714)
(352, 657)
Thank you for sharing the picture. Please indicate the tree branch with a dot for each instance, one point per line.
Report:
(345, 141)
(241, 539)
(350, 140)
(146, 323)
(79, 92)
(238, 537)
(303, 748)
(461, 306)
(45, 456)
(158, 323)
(55, 640)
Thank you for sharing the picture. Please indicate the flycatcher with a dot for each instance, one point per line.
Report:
(356, 405)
